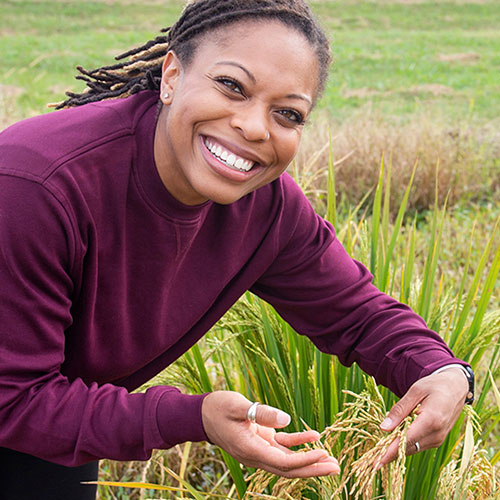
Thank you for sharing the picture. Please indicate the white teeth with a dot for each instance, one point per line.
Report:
(229, 158)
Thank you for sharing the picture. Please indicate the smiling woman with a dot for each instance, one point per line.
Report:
(232, 120)
(138, 222)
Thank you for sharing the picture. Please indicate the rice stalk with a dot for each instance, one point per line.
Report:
(367, 444)
(478, 483)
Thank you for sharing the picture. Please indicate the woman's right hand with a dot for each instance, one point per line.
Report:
(257, 444)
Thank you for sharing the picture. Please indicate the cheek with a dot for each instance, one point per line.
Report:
(289, 146)
(286, 151)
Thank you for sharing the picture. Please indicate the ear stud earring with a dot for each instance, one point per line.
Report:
(166, 95)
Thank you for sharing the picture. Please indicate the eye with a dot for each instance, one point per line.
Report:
(232, 85)
(292, 116)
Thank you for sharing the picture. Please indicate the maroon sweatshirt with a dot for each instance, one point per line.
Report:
(106, 279)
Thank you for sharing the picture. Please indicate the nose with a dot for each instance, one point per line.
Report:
(252, 123)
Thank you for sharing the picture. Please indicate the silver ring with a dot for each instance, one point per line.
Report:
(252, 412)
(417, 446)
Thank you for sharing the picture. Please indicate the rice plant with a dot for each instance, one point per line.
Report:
(471, 477)
(252, 350)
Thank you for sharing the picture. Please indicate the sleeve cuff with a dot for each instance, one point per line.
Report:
(451, 365)
(442, 366)
(179, 417)
(422, 364)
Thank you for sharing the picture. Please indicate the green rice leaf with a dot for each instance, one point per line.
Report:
(494, 388)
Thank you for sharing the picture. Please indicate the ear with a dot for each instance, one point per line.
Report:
(171, 73)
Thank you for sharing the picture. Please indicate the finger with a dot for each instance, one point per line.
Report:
(269, 435)
(393, 450)
(327, 467)
(296, 438)
(418, 432)
(271, 417)
(403, 408)
(267, 457)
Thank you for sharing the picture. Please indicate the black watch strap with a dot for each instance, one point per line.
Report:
(470, 377)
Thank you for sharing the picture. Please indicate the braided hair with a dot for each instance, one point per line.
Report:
(142, 66)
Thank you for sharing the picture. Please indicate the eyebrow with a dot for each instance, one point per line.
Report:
(300, 96)
(238, 65)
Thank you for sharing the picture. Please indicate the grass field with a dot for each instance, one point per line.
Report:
(398, 57)
(405, 56)
(413, 80)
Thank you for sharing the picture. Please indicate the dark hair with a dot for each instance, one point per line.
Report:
(142, 70)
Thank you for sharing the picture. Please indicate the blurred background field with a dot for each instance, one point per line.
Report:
(413, 81)
(400, 57)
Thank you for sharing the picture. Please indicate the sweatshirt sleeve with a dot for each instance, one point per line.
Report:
(42, 412)
(323, 293)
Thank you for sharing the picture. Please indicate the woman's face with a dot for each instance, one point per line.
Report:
(233, 119)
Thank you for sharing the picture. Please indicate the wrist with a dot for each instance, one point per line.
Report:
(467, 373)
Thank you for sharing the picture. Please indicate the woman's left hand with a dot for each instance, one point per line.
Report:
(441, 398)
(257, 444)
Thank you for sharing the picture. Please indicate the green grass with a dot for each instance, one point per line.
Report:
(43, 42)
(392, 48)
(386, 54)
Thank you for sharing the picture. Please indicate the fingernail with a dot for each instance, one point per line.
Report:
(386, 424)
(282, 418)
(316, 436)
(379, 466)
(335, 472)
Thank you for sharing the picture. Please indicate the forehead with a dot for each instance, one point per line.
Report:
(267, 47)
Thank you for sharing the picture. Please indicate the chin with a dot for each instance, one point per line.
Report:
(223, 195)
(225, 199)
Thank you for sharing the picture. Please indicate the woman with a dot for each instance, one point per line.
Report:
(129, 226)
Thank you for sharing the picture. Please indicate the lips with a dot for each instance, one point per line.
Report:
(228, 157)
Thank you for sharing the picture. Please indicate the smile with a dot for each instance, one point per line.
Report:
(228, 157)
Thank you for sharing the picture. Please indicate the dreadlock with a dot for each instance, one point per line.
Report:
(142, 67)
